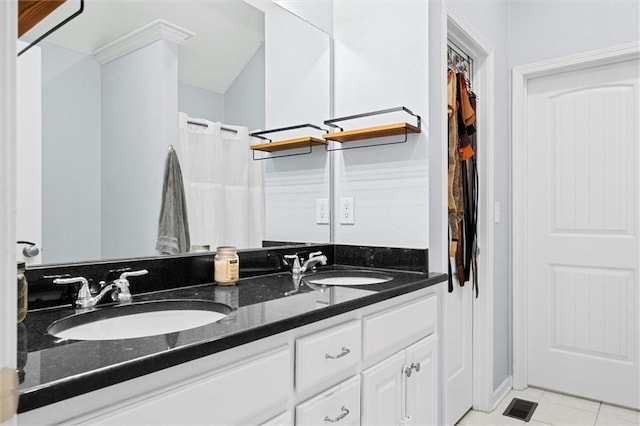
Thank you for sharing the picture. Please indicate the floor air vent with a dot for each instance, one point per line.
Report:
(520, 409)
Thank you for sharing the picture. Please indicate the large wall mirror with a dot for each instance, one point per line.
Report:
(96, 124)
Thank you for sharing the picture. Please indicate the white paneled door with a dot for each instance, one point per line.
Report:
(458, 343)
(583, 218)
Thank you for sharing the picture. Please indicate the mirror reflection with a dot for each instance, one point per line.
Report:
(108, 110)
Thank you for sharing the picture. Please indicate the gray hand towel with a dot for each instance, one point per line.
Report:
(173, 225)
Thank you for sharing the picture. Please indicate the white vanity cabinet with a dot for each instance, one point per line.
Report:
(382, 392)
(339, 404)
(403, 388)
(327, 353)
(227, 396)
(345, 369)
(284, 419)
(422, 385)
(399, 389)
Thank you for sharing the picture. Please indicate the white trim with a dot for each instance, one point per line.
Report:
(610, 55)
(159, 29)
(501, 392)
(461, 32)
(437, 130)
(8, 31)
(520, 78)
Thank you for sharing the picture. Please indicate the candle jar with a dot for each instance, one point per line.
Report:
(226, 266)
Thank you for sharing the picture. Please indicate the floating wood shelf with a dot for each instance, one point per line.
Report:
(372, 132)
(288, 144)
(30, 12)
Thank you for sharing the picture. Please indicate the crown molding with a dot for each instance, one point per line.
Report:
(143, 36)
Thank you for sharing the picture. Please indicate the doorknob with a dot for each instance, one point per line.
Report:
(31, 250)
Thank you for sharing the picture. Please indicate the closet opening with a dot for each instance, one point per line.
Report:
(468, 358)
(463, 182)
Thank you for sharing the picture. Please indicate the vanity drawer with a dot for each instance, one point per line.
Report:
(339, 404)
(328, 352)
(283, 419)
(398, 327)
(226, 396)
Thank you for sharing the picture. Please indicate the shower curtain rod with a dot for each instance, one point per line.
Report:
(226, 129)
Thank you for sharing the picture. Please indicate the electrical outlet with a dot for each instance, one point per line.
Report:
(322, 210)
(346, 211)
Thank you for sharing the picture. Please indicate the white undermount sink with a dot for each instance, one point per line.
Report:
(349, 277)
(140, 319)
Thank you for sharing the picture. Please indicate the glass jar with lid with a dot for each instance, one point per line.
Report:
(226, 266)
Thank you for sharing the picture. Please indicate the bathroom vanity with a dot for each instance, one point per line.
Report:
(287, 354)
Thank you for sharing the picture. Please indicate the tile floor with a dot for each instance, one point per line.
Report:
(555, 409)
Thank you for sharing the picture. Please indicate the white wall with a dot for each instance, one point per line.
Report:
(28, 162)
(242, 104)
(71, 126)
(490, 18)
(244, 100)
(318, 13)
(545, 30)
(197, 102)
(139, 122)
(381, 61)
(298, 89)
(569, 28)
(523, 32)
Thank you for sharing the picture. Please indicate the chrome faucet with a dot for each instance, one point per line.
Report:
(118, 288)
(314, 258)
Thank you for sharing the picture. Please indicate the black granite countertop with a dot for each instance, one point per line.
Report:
(55, 370)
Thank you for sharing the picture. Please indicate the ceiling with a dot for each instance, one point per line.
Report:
(227, 33)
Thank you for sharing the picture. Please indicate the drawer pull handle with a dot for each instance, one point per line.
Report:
(345, 413)
(344, 352)
(416, 367)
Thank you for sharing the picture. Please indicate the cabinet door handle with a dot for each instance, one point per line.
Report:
(407, 371)
(416, 367)
(344, 352)
(345, 413)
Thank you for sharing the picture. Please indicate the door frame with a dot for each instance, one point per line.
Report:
(520, 79)
(459, 30)
(8, 52)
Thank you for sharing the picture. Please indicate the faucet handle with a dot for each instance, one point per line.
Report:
(71, 280)
(124, 295)
(315, 254)
(296, 269)
(128, 274)
(123, 284)
(83, 294)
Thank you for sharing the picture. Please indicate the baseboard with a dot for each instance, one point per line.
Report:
(501, 392)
